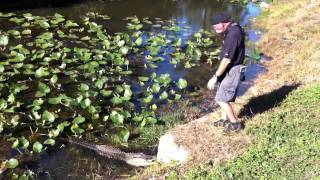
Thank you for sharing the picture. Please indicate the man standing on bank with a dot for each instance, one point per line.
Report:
(228, 73)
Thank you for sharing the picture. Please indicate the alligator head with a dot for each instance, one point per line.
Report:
(139, 159)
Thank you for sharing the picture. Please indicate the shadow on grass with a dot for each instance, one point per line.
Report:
(265, 102)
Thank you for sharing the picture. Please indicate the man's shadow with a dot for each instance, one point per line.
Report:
(260, 104)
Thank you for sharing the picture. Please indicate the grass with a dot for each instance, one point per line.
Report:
(150, 135)
(287, 143)
(292, 38)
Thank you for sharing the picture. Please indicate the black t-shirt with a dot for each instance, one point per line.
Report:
(233, 45)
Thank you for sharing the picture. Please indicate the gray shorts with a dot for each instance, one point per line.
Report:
(228, 87)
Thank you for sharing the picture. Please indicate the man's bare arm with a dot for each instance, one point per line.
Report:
(223, 66)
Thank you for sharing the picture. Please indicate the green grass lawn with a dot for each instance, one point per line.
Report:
(286, 143)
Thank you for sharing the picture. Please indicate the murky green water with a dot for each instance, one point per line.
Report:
(70, 162)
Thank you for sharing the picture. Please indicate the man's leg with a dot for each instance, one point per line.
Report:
(227, 111)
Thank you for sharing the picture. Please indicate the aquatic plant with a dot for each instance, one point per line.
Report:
(63, 77)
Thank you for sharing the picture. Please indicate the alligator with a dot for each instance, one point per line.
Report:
(133, 159)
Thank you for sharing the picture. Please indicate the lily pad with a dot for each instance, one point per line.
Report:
(37, 147)
(12, 163)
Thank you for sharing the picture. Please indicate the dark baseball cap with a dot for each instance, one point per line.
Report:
(220, 18)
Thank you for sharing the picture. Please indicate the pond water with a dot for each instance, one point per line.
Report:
(70, 162)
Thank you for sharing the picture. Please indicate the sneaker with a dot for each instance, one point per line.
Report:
(221, 122)
(234, 126)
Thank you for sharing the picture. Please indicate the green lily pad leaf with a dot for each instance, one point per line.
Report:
(77, 130)
(2, 69)
(124, 134)
(124, 50)
(83, 87)
(173, 61)
(137, 118)
(151, 120)
(100, 82)
(143, 78)
(148, 99)
(154, 107)
(177, 42)
(28, 16)
(26, 32)
(153, 65)
(41, 72)
(164, 95)
(14, 32)
(85, 103)
(43, 89)
(49, 142)
(60, 127)
(101, 36)
(57, 15)
(55, 100)
(15, 144)
(143, 123)
(14, 119)
(18, 58)
(158, 59)
(37, 147)
(138, 41)
(54, 79)
(4, 40)
(26, 24)
(126, 114)
(116, 117)
(154, 50)
(66, 123)
(121, 43)
(127, 93)
(44, 24)
(54, 133)
(36, 105)
(189, 50)
(1, 127)
(6, 15)
(24, 143)
(106, 93)
(182, 83)
(79, 120)
(119, 89)
(197, 53)
(92, 110)
(11, 98)
(69, 23)
(129, 72)
(12, 163)
(48, 116)
(85, 38)
(187, 65)
(3, 104)
(116, 100)
(164, 79)
(21, 49)
(155, 88)
(177, 96)
(138, 26)
(197, 35)
(58, 18)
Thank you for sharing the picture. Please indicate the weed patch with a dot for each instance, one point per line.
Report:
(287, 143)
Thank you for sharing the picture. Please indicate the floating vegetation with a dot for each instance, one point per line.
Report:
(61, 77)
